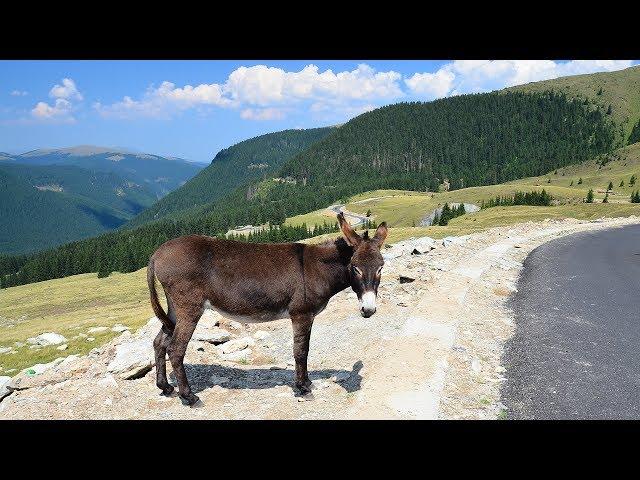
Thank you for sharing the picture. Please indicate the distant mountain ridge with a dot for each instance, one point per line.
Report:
(158, 174)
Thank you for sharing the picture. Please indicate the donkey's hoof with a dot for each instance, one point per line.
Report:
(190, 400)
(167, 391)
(304, 389)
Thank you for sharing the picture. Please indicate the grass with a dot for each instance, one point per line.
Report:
(70, 306)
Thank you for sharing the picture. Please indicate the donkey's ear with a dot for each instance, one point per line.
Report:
(381, 234)
(349, 233)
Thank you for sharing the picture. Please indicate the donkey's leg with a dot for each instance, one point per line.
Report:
(301, 334)
(160, 344)
(186, 320)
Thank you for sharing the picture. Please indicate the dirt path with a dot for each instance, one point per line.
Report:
(433, 349)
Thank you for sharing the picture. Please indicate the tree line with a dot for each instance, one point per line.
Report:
(534, 197)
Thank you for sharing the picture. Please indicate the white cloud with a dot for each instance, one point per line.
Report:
(19, 93)
(59, 111)
(471, 76)
(67, 90)
(435, 85)
(263, 91)
(262, 114)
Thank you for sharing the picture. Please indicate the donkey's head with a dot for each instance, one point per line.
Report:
(366, 264)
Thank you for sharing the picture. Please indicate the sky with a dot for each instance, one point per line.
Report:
(193, 109)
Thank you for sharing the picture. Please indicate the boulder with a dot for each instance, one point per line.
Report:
(5, 349)
(33, 376)
(46, 339)
(237, 345)
(133, 359)
(119, 328)
(64, 346)
(4, 384)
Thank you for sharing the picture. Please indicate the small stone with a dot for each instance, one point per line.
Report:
(19, 344)
(5, 349)
(97, 329)
(213, 335)
(475, 365)
(46, 339)
(237, 345)
(241, 356)
(119, 328)
(261, 335)
(107, 381)
(235, 325)
(90, 339)
(500, 369)
(404, 279)
(64, 346)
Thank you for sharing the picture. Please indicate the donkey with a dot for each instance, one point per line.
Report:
(256, 283)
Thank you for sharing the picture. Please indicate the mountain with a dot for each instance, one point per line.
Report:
(45, 205)
(616, 94)
(467, 140)
(252, 159)
(157, 174)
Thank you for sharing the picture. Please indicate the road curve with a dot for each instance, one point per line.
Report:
(576, 350)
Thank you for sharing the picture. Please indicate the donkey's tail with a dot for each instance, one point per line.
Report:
(167, 324)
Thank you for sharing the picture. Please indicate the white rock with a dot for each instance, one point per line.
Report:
(241, 356)
(4, 383)
(261, 335)
(64, 346)
(40, 368)
(5, 349)
(213, 335)
(19, 344)
(235, 325)
(475, 365)
(46, 339)
(500, 369)
(237, 345)
(107, 381)
(119, 328)
(90, 339)
(132, 359)
(209, 318)
(97, 329)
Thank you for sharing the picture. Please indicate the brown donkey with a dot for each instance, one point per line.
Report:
(256, 283)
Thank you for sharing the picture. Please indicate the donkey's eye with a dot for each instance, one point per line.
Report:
(379, 271)
(356, 270)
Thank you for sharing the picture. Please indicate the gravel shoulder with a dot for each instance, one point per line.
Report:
(433, 350)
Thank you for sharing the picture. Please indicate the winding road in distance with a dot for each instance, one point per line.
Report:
(576, 350)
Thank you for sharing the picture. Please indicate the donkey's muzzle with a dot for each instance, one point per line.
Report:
(367, 312)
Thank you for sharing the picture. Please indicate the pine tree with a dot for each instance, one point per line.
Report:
(632, 180)
(369, 213)
(589, 198)
(580, 181)
(571, 184)
(610, 187)
(622, 183)
(606, 198)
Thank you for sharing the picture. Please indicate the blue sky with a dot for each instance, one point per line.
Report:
(192, 109)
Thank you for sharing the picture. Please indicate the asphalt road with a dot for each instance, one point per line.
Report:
(576, 350)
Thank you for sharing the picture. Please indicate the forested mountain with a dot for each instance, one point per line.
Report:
(615, 94)
(157, 174)
(252, 159)
(469, 140)
(44, 206)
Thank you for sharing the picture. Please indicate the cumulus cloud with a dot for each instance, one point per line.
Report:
(59, 111)
(471, 76)
(262, 92)
(67, 90)
(19, 93)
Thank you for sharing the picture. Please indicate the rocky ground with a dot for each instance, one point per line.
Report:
(432, 350)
